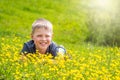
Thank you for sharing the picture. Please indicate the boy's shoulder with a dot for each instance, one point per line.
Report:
(53, 45)
(30, 43)
(55, 48)
(29, 47)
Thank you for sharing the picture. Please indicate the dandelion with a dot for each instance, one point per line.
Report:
(45, 75)
(27, 75)
(85, 65)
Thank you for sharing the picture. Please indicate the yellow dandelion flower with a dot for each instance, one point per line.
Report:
(46, 75)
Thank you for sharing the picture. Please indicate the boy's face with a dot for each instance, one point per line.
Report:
(42, 38)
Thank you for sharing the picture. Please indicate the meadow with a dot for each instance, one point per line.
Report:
(83, 61)
(91, 64)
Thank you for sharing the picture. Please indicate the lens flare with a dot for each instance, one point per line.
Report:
(103, 3)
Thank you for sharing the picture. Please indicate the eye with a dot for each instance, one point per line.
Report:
(47, 35)
(39, 35)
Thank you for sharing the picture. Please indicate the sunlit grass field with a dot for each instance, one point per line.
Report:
(83, 61)
(91, 64)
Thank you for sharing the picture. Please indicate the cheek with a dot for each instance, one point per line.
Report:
(49, 39)
(36, 38)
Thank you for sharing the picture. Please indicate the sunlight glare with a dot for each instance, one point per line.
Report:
(103, 3)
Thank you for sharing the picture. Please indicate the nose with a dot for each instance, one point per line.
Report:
(43, 38)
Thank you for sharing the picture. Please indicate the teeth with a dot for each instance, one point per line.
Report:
(42, 43)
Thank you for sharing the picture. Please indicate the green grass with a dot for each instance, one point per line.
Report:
(69, 17)
(16, 17)
(90, 63)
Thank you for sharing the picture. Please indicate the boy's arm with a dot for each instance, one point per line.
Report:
(60, 50)
(25, 49)
(55, 49)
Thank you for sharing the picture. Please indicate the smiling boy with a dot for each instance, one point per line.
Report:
(42, 33)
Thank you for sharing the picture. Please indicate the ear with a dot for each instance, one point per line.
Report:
(52, 35)
(31, 36)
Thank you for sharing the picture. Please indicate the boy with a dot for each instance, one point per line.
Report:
(42, 33)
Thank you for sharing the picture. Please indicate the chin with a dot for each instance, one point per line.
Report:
(43, 47)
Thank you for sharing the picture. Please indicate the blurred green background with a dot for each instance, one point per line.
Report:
(77, 23)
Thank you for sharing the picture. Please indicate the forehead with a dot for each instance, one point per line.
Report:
(42, 30)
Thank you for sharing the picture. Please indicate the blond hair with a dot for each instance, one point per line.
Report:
(42, 23)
